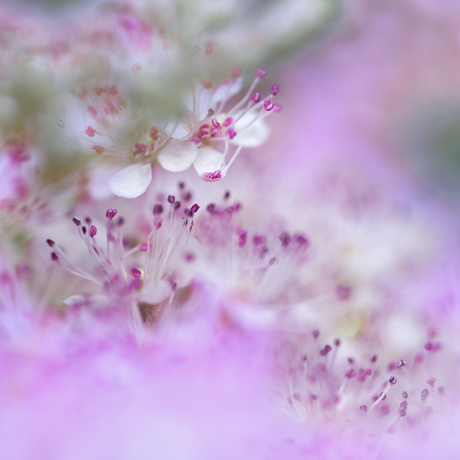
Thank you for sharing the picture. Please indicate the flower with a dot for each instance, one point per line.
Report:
(137, 277)
(208, 126)
(205, 126)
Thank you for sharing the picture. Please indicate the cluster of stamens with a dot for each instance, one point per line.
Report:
(320, 385)
(108, 109)
(270, 260)
(123, 267)
(219, 125)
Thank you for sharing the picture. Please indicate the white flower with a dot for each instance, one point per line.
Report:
(209, 134)
(215, 131)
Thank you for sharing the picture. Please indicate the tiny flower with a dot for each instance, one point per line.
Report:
(142, 275)
(263, 266)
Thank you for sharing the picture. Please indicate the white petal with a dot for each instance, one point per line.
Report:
(176, 132)
(95, 301)
(177, 156)
(202, 101)
(132, 181)
(252, 136)
(207, 161)
(154, 294)
(74, 300)
(226, 90)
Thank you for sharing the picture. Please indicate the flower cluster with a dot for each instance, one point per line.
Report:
(194, 138)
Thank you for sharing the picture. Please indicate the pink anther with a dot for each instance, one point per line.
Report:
(90, 131)
(207, 84)
(99, 149)
(235, 72)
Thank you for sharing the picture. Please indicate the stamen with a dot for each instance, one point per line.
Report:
(343, 292)
(235, 72)
(268, 104)
(324, 351)
(350, 374)
(285, 239)
(383, 395)
(432, 346)
(231, 133)
(136, 273)
(242, 238)
(207, 84)
(157, 209)
(98, 149)
(90, 131)
(238, 150)
(110, 213)
(256, 97)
